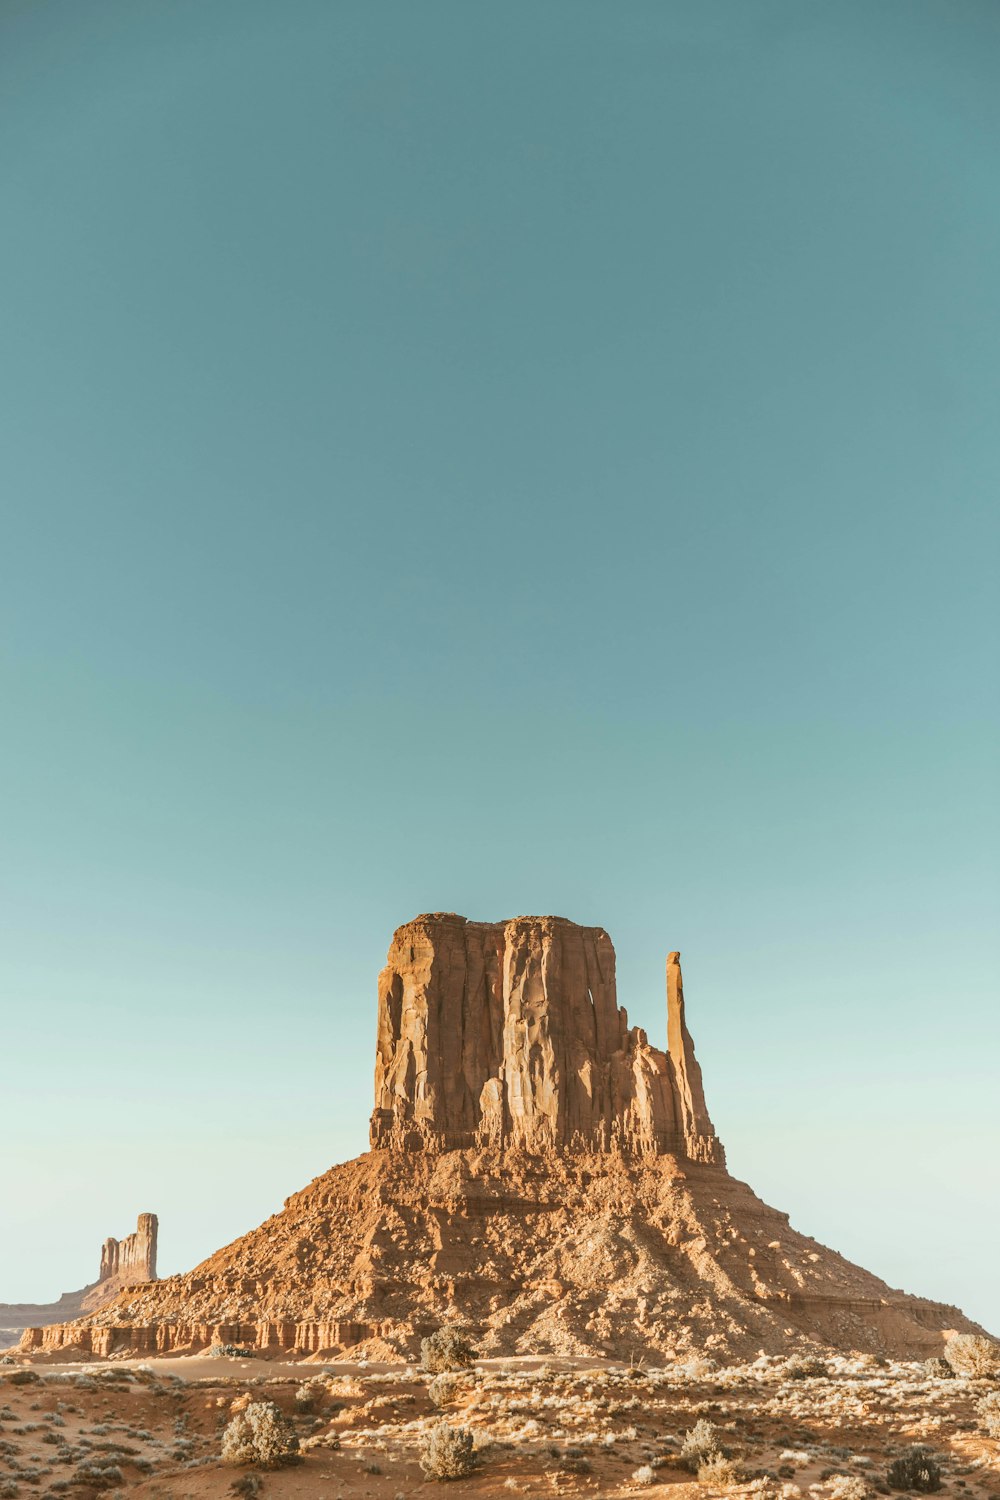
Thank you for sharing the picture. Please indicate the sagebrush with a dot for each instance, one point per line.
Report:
(310, 1395)
(448, 1349)
(718, 1472)
(915, 1469)
(805, 1367)
(699, 1445)
(988, 1412)
(444, 1387)
(260, 1434)
(446, 1452)
(973, 1355)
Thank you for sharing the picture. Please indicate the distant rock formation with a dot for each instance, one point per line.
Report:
(539, 1172)
(509, 1034)
(124, 1263)
(127, 1262)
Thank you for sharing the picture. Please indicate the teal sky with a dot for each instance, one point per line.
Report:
(498, 458)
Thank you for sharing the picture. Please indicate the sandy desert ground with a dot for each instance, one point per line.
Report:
(540, 1428)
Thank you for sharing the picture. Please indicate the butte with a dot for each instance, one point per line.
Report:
(538, 1172)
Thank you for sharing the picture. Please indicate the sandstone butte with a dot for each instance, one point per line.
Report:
(538, 1171)
(124, 1263)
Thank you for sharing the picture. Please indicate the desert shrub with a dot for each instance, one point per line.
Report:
(643, 1475)
(849, 1487)
(231, 1351)
(98, 1476)
(718, 1471)
(805, 1367)
(310, 1395)
(444, 1388)
(247, 1485)
(938, 1368)
(448, 1349)
(573, 1460)
(973, 1354)
(701, 1442)
(260, 1434)
(988, 1412)
(915, 1470)
(8, 1489)
(23, 1377)
(447, 1452)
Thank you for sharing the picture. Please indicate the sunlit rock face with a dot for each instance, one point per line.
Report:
(510, 1034)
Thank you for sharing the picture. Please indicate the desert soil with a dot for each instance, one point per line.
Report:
(561, 1427)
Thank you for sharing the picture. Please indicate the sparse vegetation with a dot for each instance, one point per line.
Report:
(915, 1469)
(247, 1485)
(604, 1429)
(938, 1368)
(973, 1355)
(448, 1349)
(260, 1434)
(447, 1452)
(98, 1476)
(310, 1395)
(444, 1388)
(700, 1444)
(718, 1472)
(231, 1351)
(806, 1367)
(988, 1412)
(849, 1487)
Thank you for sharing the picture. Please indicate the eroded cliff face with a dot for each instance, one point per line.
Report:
(510, 1034)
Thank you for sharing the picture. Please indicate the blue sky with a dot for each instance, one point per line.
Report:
(498, 458)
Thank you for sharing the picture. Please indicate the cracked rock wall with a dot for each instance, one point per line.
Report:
(510, 1034)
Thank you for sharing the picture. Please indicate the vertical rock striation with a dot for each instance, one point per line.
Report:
(510, 1034)
(132, 1259)
(127, 1262)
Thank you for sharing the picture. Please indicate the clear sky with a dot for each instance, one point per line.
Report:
(500, 458)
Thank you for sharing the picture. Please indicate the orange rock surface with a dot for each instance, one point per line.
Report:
(539, 1172)
(510, 1034)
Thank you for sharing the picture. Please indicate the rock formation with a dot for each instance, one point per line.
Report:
(539, 1171)
(129, 1261)
(510, 1034)
(123, 1263)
